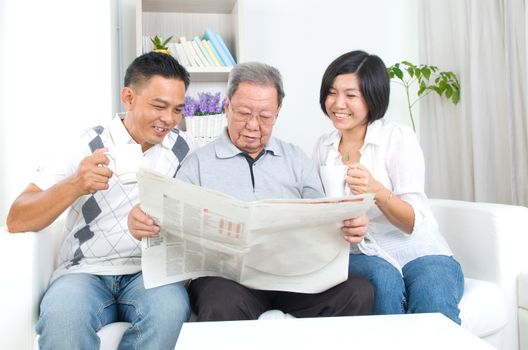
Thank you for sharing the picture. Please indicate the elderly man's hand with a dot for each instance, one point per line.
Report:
(140, 224)
(354, 230)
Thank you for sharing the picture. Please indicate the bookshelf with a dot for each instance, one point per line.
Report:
(189, 18)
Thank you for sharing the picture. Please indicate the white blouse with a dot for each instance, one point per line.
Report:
(392, 154)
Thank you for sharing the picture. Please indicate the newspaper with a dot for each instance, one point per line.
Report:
(286, 244)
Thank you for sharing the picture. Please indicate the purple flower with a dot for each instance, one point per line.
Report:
(206, 104)
(191, 106)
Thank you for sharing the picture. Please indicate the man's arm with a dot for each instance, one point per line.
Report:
(35, 209)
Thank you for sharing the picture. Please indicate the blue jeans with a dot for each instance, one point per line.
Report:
(78, 305)
(432, 283)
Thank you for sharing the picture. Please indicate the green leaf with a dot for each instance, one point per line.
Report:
(429, 78)
(422, 88)
(167, 41)
(426, 72)
(449, 91)
(398, 72)
(456, 97)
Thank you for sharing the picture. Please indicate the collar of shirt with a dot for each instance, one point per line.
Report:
(118, 132)
(373, 137)
(224, 148)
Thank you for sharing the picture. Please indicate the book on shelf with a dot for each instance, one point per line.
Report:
(210, 35)
(199, 54)
(182, 58)
(212, 53)
(147, 44)
(204, 52)
(216, 53)
(226, 50)
(172, 48)
(189, 52)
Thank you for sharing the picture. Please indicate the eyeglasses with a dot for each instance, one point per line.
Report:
(244, 116)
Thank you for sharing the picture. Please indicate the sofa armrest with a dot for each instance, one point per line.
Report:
(26, 263)
(488, 240)
(523, 309)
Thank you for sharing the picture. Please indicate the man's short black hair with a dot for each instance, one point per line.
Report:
(374, 81)
(150, 64)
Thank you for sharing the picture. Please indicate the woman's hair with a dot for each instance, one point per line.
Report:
(150, 64)
(256, 73)
(374, 82)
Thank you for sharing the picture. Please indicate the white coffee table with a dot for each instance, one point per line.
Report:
(416, 331)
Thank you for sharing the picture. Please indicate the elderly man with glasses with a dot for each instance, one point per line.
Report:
(246, 162)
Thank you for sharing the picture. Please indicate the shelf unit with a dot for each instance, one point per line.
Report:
(189, 18)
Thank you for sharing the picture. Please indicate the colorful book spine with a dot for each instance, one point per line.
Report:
(212, 52)
(210, 35)
(204, 52)
(226, 50)
(181, 54)
(199, 54)
(189, 52)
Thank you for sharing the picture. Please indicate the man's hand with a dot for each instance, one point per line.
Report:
(140, 224)
(92, 175)
(354, 230)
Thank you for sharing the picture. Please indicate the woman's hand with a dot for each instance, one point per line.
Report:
(360, 180)
(397, 211)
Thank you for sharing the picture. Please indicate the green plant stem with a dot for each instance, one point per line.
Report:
(419, 98)
(410, 107)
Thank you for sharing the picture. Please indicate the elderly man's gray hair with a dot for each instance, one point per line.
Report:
(256, 73)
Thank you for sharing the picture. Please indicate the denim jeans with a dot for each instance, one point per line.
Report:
(78, 305)
(432, 283)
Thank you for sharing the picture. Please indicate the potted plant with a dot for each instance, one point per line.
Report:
(428, 78)
(160, 45)
(204, 116)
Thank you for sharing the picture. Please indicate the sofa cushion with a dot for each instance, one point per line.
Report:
(110, 336)
(482, 308)
(482, 311)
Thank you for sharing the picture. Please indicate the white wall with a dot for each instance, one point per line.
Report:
(57, 58)
(301, 37)
(4, 171)
(56, 81)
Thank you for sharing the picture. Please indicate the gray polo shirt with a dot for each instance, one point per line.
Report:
(282, 171)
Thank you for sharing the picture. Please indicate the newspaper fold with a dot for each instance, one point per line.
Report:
(285, 244)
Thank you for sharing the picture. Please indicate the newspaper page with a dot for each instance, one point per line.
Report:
(282, 244)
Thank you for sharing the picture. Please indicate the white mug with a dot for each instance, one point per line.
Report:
(125, 160)
(333, 178)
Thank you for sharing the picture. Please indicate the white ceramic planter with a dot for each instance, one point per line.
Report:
(205, 128)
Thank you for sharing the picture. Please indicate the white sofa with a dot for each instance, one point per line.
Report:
(523, 309)
(487, 239)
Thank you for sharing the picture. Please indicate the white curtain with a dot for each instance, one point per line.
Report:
(478, 149)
